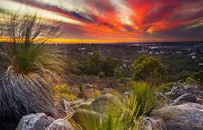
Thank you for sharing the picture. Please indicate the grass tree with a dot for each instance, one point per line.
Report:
(28, 67)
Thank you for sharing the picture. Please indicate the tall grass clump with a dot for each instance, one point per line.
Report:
(128, 116)
(144, 97)
(27, 70)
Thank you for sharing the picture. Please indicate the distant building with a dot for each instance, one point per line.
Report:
(82, 49)
(193, 57)
(200, 64)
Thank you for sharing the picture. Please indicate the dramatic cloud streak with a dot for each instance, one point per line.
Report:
(120, 20)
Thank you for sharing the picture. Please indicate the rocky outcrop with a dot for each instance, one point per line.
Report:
(100, 104)
(182, 93)
(188, 116)
(37, 121)
(154, 123)
(181, 89)
(104, 103)
(187, 97)
(40, 121)
(177, 91)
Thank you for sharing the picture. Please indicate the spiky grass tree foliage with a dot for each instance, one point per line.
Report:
(27, 70)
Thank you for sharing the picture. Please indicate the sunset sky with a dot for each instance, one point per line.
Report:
(118, 20)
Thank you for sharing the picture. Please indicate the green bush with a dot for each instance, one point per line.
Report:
(117, 74)
(63, 88)
(190, 80)
(108, 66)
(96, 64)
(166, 87)
(92, 64)
(101, 74)
(73, 67)
(63, 92)
(66, 96)
(198, 76)
(148, 69)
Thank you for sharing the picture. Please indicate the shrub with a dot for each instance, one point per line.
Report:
(63, 88)
(198, 76)
(96, 64)
(190, 80)
(148, 69)
(28, 70)
(92, 64)
(166, 87)
(108, 66)
(63, 92)
(117, 74)
(101, 74)
(73, 67)
(66, 96)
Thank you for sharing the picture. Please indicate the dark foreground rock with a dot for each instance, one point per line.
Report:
(37, 121)
(188, 116)
(40, 121)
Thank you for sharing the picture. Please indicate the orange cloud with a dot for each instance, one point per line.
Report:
(121, 20)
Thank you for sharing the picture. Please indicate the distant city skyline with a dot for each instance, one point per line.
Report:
(101, 21)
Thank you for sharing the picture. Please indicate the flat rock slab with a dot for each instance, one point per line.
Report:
(188, 116)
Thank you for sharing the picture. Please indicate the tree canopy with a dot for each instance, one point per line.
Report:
(148, 69)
